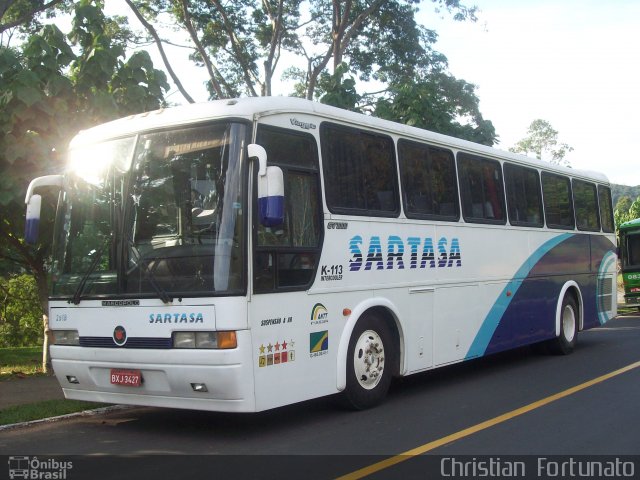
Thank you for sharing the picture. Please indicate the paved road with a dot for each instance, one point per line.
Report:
(439, 413)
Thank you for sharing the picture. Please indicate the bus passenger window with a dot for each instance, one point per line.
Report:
(558, 208)
(606, 210)
(360, 172)
(481, 190)
(429, 186)
(585, 201)
(524, 199)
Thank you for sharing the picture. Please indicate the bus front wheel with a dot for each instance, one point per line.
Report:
(370, 361)
(564, 343)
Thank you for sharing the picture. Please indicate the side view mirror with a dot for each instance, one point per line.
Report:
(32, 223)
(34, 202)
(270, 189)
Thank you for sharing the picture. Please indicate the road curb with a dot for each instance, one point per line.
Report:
(83, 413)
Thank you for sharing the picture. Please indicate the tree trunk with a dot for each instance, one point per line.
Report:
(43, 294)
(46, 354)
(152, 31)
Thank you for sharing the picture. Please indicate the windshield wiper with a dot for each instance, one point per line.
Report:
(148, 273)
(94, 263)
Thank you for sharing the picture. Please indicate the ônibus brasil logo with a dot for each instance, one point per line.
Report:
(32, 467)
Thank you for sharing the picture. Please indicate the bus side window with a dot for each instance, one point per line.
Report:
(359, 172)
(585, 201)
(558, 208)
(286, 256)
(429, 186)
(524, 199)
(481, 190)
(606, 210)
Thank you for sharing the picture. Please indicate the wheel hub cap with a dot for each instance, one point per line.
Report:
(368, 359)
(568, 323)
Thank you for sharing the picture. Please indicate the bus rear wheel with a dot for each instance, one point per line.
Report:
(564, 343)
(370, 361)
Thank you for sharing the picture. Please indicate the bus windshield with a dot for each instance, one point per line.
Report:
(631, 253)
(159, 214)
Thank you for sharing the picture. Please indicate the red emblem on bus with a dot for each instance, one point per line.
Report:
(120, 335)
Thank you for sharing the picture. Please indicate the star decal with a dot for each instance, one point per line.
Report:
(270, 348)
(261, 349)
(284, 345)
(277, 346)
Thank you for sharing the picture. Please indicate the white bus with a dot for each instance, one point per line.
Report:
(187, 273)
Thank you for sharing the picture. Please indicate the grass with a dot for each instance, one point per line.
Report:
(628, 310)
(46, 409)
(20, 361)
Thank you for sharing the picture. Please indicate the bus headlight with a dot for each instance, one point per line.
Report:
(206, 340)
(217, 340)
(66, 337)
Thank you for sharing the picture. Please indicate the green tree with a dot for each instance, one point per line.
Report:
(634, 209)
(437, 102)
(542, 140)
(25, 14)
(338, 46)
(619, 191)
(626, 210)
(51, 87)
(621, 210)
(339, 91)
(20, 313)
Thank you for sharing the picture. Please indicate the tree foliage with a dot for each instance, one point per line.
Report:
(48, 92)
(25, 14)
(626, 210)
(339, 91)
(438, 102)
(542, 140)
(50, 87)
(20, 312)
(619, 191)
(333, 50)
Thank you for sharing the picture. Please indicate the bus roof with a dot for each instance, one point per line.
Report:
(255, 107)
(631, 224)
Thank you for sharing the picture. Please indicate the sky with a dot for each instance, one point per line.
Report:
(573, 63)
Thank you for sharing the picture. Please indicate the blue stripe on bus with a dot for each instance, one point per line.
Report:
(490, 323)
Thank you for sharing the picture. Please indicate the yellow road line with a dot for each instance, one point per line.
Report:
(376, 467)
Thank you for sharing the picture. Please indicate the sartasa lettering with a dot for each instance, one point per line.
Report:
(176, 318)
(396, 253)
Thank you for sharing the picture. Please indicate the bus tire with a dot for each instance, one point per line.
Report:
(564, 343)
(370, 360)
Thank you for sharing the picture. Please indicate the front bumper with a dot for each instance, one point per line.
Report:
(167, 376)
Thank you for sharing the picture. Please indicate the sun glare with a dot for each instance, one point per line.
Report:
(91, 162)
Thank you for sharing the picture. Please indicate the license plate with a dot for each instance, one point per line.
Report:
(128, 378)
